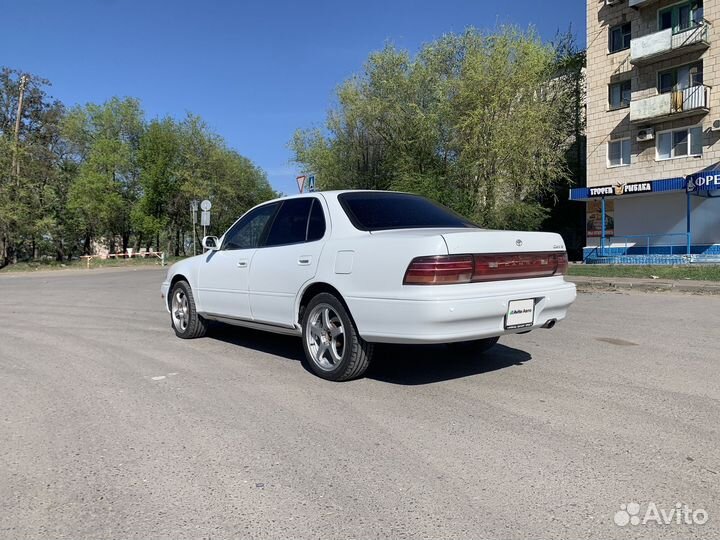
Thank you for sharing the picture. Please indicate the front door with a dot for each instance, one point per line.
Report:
(223, 276)
(287, 260)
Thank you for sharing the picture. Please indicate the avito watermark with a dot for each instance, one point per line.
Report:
(680, 514)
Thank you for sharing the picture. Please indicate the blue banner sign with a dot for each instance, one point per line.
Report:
(705, 181)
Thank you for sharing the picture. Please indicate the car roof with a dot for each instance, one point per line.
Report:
(335, 192)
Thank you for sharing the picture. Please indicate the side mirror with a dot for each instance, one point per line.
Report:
(211, 243)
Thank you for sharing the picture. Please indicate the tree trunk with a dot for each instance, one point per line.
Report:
(3, 251)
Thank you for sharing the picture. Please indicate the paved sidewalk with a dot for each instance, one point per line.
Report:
(585, 283)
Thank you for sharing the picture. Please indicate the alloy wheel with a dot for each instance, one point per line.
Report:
(325, 337)
(180, 310)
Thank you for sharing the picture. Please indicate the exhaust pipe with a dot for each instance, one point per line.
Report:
(550, 324)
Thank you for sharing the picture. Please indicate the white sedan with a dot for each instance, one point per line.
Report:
(348, 269)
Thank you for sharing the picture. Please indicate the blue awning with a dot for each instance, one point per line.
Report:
(702, 181)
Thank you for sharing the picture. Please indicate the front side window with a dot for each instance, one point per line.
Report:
(620, 95)
(619, 153)
(620, 38)
(290, 224)
(248, 231)
(679, 143)
(377, 210)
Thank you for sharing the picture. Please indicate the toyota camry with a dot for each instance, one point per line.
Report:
(345, 270)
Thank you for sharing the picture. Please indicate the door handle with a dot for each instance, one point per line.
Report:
(304, 260)
(242, 264)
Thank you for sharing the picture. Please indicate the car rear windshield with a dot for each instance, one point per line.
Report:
(376, 211)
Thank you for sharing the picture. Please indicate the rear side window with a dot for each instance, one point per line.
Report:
(316, 223)
(291, 223)
(374, 211)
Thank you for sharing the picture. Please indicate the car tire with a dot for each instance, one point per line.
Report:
(333, 348)
(184, 317)
(476, 346)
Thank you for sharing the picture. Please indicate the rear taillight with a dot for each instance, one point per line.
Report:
(439, 270)
(446, 269)
(562, 264)
(503, 266)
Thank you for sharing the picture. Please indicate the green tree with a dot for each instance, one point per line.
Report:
(476, 121)
(105, 140)
(158, 158)
(33, 173)
(182, 161)
(207, 168)
(101, 173)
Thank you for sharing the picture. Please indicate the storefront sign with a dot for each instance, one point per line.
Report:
(600, 191)
(638, 187)
(620, 189)
(703, 182)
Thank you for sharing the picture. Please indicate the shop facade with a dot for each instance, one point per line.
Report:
(653, 132)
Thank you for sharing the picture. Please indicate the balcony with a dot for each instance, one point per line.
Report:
(680, 104)
(667, 43)
(637, 4)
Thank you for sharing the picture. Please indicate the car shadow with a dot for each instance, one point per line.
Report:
(425, 364)
(407, 365)
(275, 344)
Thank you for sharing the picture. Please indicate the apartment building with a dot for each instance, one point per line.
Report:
(653, 124)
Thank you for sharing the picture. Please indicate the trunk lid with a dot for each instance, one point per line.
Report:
(478, 241)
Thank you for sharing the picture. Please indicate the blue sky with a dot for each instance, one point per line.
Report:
(255, 71)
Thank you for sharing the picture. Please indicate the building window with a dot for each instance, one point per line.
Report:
(619, 153)
(681, 17)
(620, 95)
(680, 78)
(620, 38)
(679, 143)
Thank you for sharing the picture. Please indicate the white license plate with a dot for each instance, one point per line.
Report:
(520, 313)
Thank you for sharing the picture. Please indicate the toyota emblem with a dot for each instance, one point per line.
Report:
(518, 242)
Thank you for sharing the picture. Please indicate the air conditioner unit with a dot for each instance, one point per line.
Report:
(646, 134)
(715, 125)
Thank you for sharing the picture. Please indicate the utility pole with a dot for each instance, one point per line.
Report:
(193, 210)
(18, 118)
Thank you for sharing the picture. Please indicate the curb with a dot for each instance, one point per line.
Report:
(589, 284)
(75, 271)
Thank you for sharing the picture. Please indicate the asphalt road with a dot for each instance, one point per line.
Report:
(110, 427)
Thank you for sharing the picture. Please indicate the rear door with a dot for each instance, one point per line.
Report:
(223, 276)
(287, 259)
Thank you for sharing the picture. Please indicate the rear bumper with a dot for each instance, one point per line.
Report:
(447, 320)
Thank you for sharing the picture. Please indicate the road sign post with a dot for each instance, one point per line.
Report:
(305, 183)
(205, 206)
